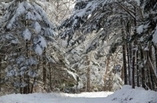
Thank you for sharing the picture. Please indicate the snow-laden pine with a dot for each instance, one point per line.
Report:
(25, 34)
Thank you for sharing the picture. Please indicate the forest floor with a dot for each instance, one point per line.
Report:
(124, 95)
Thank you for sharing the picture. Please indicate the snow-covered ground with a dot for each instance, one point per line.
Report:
(125, 95)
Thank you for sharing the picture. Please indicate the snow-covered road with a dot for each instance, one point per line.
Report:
(125, 95)
(56, 98)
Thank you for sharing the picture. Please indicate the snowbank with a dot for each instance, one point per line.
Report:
(129, 95)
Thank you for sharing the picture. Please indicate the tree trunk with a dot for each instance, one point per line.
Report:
(0, 71)
(129, 52)
(124, 53)
(149, 63)
(129, 62)
(134, 51)
(155, 58)
(124, 65)
(133, 70)
(44, 75)
(88, 79)
(44, 68)
(32, 87)
(137, 70)
(142, 70)
(153, 77)
(26, 89)
(50, 76)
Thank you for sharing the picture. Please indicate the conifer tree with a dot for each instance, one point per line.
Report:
(25, 31)
(138, 36)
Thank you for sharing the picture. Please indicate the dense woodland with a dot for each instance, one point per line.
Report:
(77, 45)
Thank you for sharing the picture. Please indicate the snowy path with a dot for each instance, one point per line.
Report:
(125, 95)
(57, 98)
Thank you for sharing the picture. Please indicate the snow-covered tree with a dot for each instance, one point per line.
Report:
(116, 22)
(90, 26)
(57, 10)
(25, 30)
(34, 59)
(146, 31)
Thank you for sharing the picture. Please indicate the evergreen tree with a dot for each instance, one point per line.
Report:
(107, 18)
(25, 30)
(91, 24)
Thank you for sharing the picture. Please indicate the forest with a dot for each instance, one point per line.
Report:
(75, 46)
